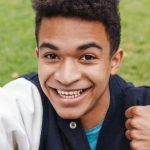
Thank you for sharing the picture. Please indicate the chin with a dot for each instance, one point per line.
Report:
(69, 115)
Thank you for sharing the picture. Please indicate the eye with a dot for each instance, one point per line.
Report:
(88, 57)
(51, 56)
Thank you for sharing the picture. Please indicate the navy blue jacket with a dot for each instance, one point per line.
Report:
(56, 133)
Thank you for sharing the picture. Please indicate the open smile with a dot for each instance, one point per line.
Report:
(70, 94)
(70, 97)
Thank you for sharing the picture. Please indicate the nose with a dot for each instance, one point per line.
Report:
(68, 73)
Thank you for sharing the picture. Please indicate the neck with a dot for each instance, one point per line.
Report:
(97, 113)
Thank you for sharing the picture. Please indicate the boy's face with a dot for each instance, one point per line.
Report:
(74, 65)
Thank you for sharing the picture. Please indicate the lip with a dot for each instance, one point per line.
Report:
(70, 102)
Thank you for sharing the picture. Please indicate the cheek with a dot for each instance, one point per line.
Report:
(45, 71)
(98, 73)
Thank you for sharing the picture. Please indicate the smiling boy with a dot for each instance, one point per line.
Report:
(74, 67)
(75, 102)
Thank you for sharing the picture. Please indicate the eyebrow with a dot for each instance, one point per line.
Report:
(89, 45)
(81, 47)
(48, 45)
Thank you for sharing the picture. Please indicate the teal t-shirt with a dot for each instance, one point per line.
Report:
(92, 135)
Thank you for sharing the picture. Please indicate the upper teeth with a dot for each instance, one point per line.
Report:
(69, 92)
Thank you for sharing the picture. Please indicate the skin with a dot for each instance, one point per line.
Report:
(138, 127)
(74, 54)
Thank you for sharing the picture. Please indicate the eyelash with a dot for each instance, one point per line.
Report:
(87, 58)
(51, 57)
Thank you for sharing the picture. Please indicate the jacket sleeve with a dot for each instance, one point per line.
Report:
(20, 116)
(137, 96)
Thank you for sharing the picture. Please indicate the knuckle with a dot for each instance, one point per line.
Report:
(133, 123)
(127, 134)
(127, 123)
(127, 112)
(133, 134)
(133, 145)
(136, 111)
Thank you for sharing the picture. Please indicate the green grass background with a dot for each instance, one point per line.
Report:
(17, 41)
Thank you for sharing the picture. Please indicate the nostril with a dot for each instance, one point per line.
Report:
(66, 79)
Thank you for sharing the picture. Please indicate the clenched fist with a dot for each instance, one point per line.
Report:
(138, 127)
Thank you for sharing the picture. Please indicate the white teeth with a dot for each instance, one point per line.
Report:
(69, 94)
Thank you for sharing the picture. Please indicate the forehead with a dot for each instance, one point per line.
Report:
(73, 31)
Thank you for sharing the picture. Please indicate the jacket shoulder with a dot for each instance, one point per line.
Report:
(137, 96)
(133, 96)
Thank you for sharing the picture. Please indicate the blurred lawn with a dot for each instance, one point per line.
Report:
(17, 41)
(135, 40)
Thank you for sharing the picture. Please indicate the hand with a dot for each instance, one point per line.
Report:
(138, 127)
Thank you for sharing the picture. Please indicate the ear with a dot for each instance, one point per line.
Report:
(116, 61)
(37, 53)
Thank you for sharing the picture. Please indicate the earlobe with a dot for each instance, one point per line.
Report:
(116, 61)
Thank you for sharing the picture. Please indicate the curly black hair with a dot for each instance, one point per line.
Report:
(105, 11)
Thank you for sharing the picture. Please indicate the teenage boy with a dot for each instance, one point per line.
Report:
(75, 102)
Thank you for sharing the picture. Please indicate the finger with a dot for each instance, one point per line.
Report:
(134, 145)
(134, 111)
(133, 135)
(128, 112)
(128, 124)
(128, 135)
(134, 123)
(139, 145)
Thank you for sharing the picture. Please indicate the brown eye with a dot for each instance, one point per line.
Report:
(51, 56)
(88, 57)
